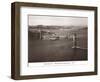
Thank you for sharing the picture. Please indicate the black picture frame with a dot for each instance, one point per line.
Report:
(15, 40)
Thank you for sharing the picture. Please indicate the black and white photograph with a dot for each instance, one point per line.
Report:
(57, 38)
(53, 40)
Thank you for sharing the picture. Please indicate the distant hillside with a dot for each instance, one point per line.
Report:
(55, 27)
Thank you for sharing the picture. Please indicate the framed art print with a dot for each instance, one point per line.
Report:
(50, 40)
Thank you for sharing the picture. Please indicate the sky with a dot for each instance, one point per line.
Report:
(57, 20)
